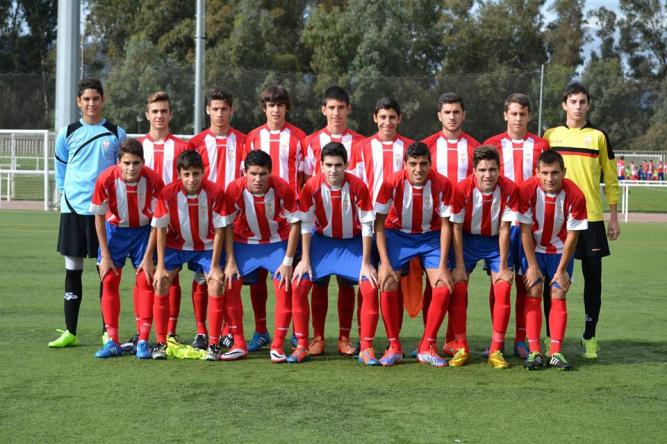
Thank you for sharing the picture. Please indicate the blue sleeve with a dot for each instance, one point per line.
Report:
(61, 158)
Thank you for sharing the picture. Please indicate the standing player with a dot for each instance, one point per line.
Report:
(83, 150)
(336, 108)
(620, 168)
(553, 213)
(518, 150)
(125, 195)
(588, 156)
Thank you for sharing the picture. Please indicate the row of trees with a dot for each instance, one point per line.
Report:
(410, 49)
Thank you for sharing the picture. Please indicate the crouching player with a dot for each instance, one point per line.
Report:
(123, 204)
(337, 204)
(412, 220)
(486, 205)
(264, 236)
(553, 211)
(190, 221)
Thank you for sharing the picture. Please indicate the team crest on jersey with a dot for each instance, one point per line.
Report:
(346, 204)
(427, 201)
(588, 140)
(398, 161)
(284, 150)
(105, 145)
(268, 206)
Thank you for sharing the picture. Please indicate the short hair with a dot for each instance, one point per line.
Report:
(450, 97)
(334, 149)
(387, 103)
(521, 99)
(131, 146)
(336, 93)
(158, 96)
(417, 149)
(189, 159)
(219, 94)
(550, 157)
(274, 94)
(90, 83)
(257, 158)
(575, 88)
(485, 152)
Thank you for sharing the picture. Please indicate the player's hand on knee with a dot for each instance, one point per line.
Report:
(504, 274)
(302, 268)
(231, 273)
(562, 279)
(106, 266)
(459, 275)
(444, 278)
(148, 268)
(387, 277)
(285, 273)
(160, 280)
(532, 277)
(369, 273)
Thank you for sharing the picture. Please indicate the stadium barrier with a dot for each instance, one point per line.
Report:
(33, 145)
(625, 186)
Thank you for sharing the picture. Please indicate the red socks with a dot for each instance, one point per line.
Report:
(369, 314)
(346, 298)
(301, 311)
(199, 303)
(520, 311)
(533, 323)
(137, 308)
(215, 309)
(258, 297)
(501, 313)
(389, 303)
(436, 313)
(458, 315)
(320, 305)
(111, 303)
(161, 317)
(283, 314)
(145, 296)
(234, 313)
(557, 323)
(174, 304)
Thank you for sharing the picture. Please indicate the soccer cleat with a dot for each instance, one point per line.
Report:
(391, 357)
(558, 361)
(234, 354)
(497, 360)
(450, 348)
(316, 346)
(368, 358)
(105, 337)
(200, 342)
(431, 357)
(460, 358)
(130, 347)
(160, 351)
(486, 352)
(535, 361)
(66, 339)
(299, 355)
(143, 350)
(110, 349)
(345, 347)
(294, 342)
(590, 348)
(277, 356)
(212, 352)
(258, 341)
(521, 350)
(226, 341)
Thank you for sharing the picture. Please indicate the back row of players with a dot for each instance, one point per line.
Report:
(262, 222)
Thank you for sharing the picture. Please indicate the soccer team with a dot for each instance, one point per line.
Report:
(376, 212)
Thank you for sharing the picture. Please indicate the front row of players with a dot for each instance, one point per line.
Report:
(256, 225)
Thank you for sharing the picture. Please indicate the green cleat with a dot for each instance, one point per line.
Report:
(535, 361)
(558, 361)
(590, 348)
(105, 338)
(66, 339)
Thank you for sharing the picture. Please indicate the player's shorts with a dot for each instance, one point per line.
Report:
(253, 257)
(477, 247)
(592, 242)
(196, 260)
(548, 264)
(126, 241)
(402, 247)
(340, 257)
(77, 236)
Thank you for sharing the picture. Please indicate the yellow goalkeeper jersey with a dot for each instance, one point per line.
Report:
(588, 158)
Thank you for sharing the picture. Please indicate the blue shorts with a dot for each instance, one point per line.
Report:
(196, 260)
(124, 242)
(252, 257)
(340, 257)
(548, 264)
(477, 247)
(402, 247)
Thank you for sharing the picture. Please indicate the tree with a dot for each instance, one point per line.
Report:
(643, 37)
(565, 36)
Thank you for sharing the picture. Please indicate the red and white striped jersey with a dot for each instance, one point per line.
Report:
(261, 219)
(481, 213)
(378, 160)
(518, 158)
(221, 155)
(286, 148)
(161, 157)
(126, 204)
(620, 167)
(336, 212)
(317, 140)
(451, 158)
(190, 220)
(415, 209)
(552, 215)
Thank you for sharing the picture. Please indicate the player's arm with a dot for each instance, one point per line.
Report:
(231, 269)
(106, 263)
(444, 275)
(610, 189)
(147, 264)
(161, 276)
(386, 273)
(504, 272)
(303, 267)
(285, 269)
(532, 276)
(367, 271)
(61, 158)
(215, 274)
(459, 271)
(560, 276)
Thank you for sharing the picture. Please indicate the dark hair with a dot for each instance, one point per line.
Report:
(274, 94)
(575, 88)
(257, 158)
(219, 94)
(188, 159)
(450, 97)
(336, 93)
(158, 96)
(387, 103)
(334, 149)
(417, 149)
(88, 83)
(485, 152)
(520, 99)
(550, 157)
(131, 146)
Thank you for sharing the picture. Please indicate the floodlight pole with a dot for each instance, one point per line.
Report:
(200, 38)
(67, 62)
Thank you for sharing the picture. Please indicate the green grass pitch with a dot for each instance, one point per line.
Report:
(69, 396)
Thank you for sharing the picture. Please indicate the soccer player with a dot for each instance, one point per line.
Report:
(285, 143)
(264, 235)
(336, 108)
(486, 205)
(336, 205)
(412, 220)
(620, 168)
(552, 214)
(190, 217)
(518, 150)
(588, 155)
(123, 204)
(83, 150)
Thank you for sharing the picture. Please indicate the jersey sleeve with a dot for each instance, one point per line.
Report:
(309, 158)
(385, 198)
(300, 152)
(576, 218)
(526, 191)
(364, 209)
(458, 210)
(447, 200)
(307, 208)
(99, 204)
(161, 215)
(61, 158)
(219, 215)
(290, 209)
(608, 166)
(232, 196)
(511, 210)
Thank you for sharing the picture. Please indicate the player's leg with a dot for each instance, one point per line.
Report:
(258, 298)
(110, 313)
(440, 295)
(146, 296)
(558, 313)
(300, 314)
(592, 271)
(173, 260)
(283, 316)
(234, 317)
(215, 309)
(174, 306)
(368, 320)
(319, 308)
(346, 299)
(200, 298)
(534, 290)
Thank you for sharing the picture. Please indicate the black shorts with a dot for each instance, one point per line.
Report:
(592, 242)
(77, 236)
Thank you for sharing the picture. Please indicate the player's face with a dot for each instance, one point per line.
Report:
(336, 113)
(90, 102)
(486, 175)
(517, 118)
(550, 177)
(192, 178)
(576, 107)
(451, 116)
(130, 167)
(333, 168)
(417, 168)
(387, 121)
(275, 113)
(159, 115)
(220, 113)
(258, 179)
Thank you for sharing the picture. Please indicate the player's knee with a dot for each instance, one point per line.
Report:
(73, 263)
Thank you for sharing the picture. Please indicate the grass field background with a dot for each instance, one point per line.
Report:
(68, 395)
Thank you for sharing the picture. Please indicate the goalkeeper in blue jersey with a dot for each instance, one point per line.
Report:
(84, 149)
